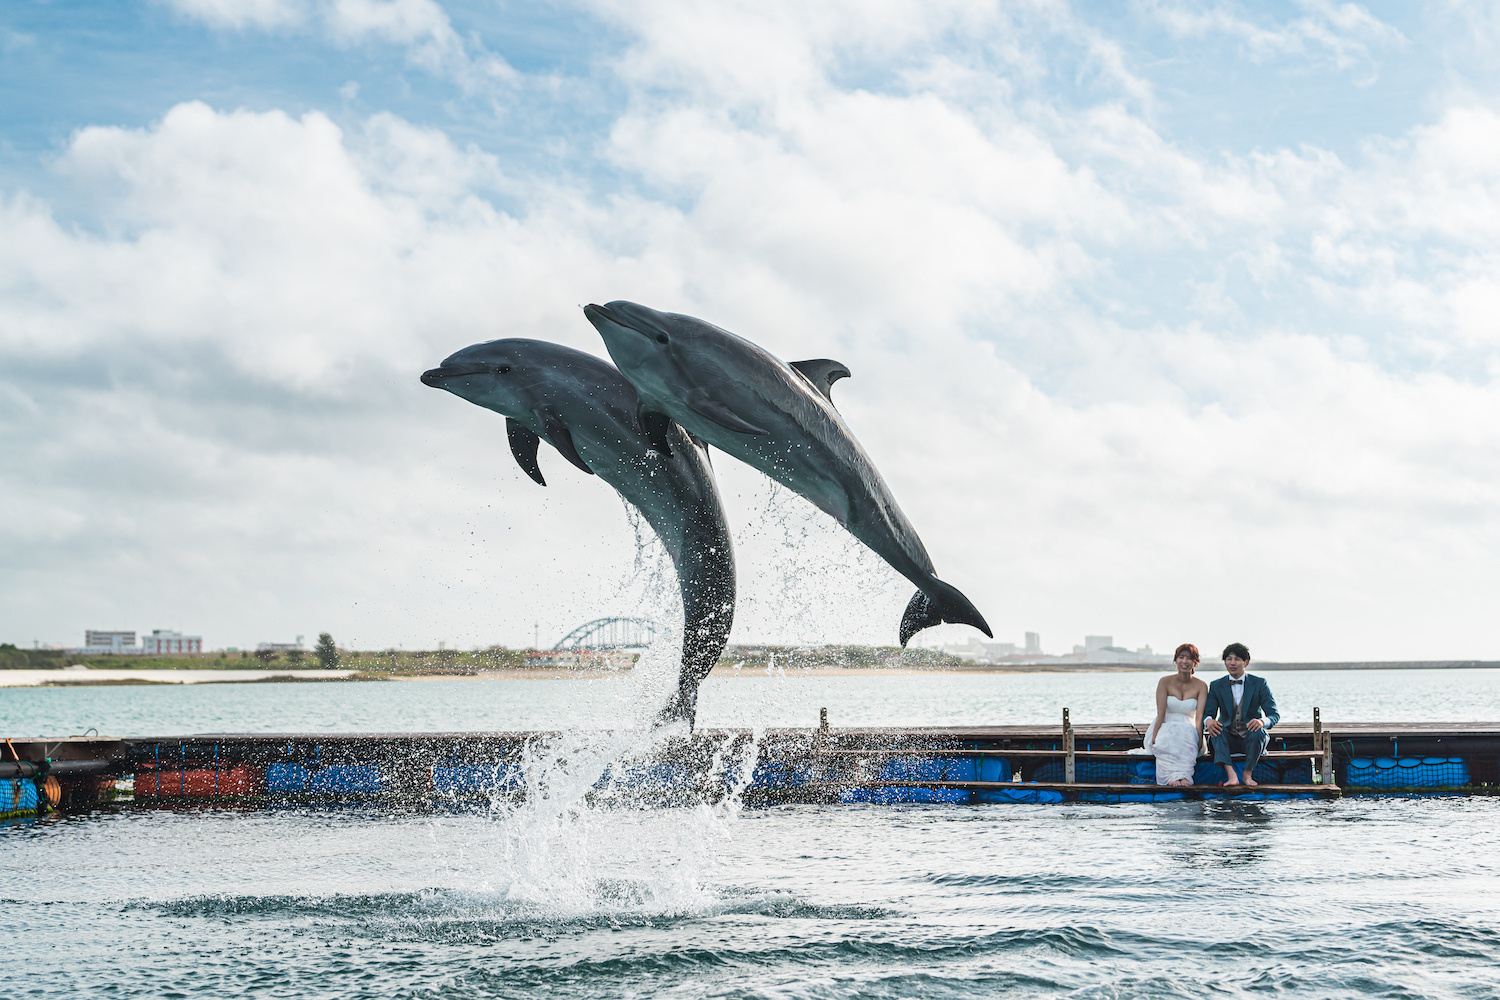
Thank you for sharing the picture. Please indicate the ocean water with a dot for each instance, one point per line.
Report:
(754, 699)
(1357, 898)
(555, 897)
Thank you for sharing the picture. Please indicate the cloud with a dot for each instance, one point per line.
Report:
(242, 14)
(1344, 34)
(422, 27)
(1119, 387)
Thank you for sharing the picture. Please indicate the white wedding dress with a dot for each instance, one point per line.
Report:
(1176, 744)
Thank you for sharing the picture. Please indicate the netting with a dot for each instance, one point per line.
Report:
(17, 797)
(1089, 772)
(1407, 772)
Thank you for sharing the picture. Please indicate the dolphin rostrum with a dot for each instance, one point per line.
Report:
(780, 419)
(585, 409)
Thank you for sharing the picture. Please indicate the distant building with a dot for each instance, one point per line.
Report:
(598, 659)
(975, 651)
(163, 641)
(1092, 643)
(98, 642)
(1119, 654)
(1033, 644)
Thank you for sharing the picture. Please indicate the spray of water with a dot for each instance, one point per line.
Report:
(625, 819)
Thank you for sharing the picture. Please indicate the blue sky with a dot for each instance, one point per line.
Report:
(1169, 321)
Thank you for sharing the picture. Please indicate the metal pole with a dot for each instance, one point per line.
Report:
(1069, 765)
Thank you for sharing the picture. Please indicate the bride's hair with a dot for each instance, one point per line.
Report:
(1189, 649)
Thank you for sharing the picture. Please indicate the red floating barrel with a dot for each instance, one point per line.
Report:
(241, 781)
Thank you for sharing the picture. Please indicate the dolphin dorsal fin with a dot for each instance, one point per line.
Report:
(523, 445)
(559, 438)
(822, 373)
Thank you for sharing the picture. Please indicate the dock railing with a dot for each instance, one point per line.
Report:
(1320, 757)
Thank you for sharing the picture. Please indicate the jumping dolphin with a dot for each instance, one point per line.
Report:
(585, 409)
(780, 419)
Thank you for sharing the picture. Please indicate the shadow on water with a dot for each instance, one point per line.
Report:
(1216, 833)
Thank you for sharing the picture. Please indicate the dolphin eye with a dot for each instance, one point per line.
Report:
(501, 369)
(661, 338)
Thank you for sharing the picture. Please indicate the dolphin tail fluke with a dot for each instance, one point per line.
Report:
(945, 604)
(682, 708)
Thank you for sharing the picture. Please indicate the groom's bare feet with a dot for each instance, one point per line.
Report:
(1229, 777)
(1249, 780)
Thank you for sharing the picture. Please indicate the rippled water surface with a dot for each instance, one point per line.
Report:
(553, 897)
(751, 700)
(1368, 897)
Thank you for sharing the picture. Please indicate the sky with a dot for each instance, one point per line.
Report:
(1172, 322)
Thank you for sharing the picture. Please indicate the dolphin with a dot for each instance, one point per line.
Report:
(585, 409)
(780, 419)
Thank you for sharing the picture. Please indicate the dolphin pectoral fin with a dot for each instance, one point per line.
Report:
(706, 406)
(523, 445)
(822, 373)
(945, 604)
(656, 426)
(559, 438)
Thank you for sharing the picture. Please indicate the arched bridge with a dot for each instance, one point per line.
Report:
(609, 633)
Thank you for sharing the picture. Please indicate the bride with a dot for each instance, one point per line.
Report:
(1174, 736)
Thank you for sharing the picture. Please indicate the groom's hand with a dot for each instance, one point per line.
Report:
(1212, 727)
(1255, 725)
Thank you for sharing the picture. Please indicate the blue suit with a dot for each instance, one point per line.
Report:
(1256, 702)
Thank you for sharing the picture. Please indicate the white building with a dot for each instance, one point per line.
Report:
(97, 642)
(976, 651)
(164, 641)
(598, 659)
(280, 647)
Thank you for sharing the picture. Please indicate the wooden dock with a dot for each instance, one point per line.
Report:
(822, 764)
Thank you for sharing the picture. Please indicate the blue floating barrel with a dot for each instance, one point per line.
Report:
(1406, 772)
(995, 769)
(919, 769)
(480, 778)
(649, 777)
(781, 774)
(327, 779)
(1021, 795)
(17, 797)
(1206, 772)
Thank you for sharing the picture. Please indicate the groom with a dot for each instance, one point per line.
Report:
(1239, 700)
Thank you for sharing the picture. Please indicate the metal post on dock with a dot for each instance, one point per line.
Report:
(821, 740)
(1325, 745)
(1068, 763)
(1317, 745)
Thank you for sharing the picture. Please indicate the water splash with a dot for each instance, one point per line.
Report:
(625, 821)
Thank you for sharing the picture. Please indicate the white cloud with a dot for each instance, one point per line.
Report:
(242, 14)
(420, 26)
(1344, 34)
(1118, 387)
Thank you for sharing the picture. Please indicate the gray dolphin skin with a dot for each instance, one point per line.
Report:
(585, 409)
(780, 419)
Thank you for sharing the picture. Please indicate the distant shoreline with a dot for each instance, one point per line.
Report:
(171, 677)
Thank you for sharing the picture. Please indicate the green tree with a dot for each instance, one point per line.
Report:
(294, 657)
(326, 652)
